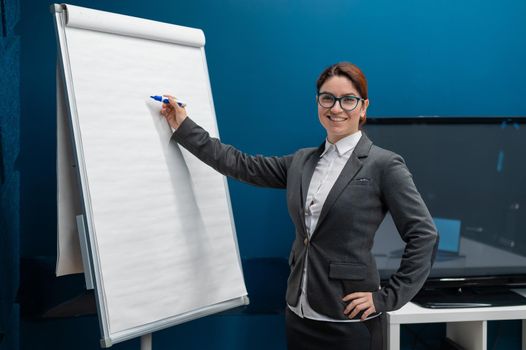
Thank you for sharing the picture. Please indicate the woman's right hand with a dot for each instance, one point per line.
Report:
(173, 113)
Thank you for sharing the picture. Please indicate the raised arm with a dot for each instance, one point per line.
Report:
(255, 170)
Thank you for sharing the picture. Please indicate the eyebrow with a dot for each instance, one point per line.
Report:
(349, 94)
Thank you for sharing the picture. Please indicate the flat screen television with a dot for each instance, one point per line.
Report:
(471, 173)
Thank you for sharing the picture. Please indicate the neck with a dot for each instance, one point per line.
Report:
(335, 138)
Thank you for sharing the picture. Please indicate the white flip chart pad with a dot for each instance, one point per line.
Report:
(160, 229)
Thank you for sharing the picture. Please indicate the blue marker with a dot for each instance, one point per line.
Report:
(165, 100)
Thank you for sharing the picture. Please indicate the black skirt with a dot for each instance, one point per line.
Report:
(307, 334)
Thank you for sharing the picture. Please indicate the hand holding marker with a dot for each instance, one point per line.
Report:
(175, 114)
(163, 99)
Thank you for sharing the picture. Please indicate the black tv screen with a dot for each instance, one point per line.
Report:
(472, 175)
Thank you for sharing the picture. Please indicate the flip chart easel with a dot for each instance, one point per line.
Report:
(150, 225)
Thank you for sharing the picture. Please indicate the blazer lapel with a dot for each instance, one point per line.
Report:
(308, 170)
(349, 171)
(306, 176)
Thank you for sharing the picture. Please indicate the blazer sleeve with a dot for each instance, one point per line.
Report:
(255, 170)
(416, 227)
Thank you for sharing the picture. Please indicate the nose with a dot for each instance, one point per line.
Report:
(336, 108)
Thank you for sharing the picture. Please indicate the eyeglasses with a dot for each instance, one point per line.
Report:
(347, 103)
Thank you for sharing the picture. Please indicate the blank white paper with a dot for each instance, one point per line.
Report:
(165, 237)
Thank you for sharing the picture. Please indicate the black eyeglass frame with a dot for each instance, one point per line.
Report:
(339, 99)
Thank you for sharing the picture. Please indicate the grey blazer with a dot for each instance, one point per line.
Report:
(372, 182)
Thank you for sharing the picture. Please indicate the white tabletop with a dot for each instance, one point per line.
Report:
(412, 313)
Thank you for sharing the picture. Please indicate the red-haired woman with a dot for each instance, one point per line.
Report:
(337, 196)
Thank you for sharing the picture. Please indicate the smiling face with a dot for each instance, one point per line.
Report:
(337, 122)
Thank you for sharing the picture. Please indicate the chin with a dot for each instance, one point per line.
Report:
(339, 134)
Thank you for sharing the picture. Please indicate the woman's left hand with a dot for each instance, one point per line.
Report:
(359, 301)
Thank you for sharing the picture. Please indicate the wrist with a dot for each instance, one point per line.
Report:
(177, 122)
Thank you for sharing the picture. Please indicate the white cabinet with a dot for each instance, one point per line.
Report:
(468, 327)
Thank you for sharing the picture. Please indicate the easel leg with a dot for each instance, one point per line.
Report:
(146, 342)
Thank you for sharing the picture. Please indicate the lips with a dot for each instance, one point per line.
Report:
(336, 118)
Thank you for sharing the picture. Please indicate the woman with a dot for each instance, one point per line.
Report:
(337, 196)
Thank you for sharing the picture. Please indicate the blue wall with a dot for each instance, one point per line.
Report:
(421, 58)
(9, 174)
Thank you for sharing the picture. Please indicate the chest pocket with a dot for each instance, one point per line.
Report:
(362, 181)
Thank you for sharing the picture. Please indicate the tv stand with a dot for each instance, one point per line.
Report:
(466, 326)
(468, 297)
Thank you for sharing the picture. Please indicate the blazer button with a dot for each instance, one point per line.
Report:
(306, 241)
